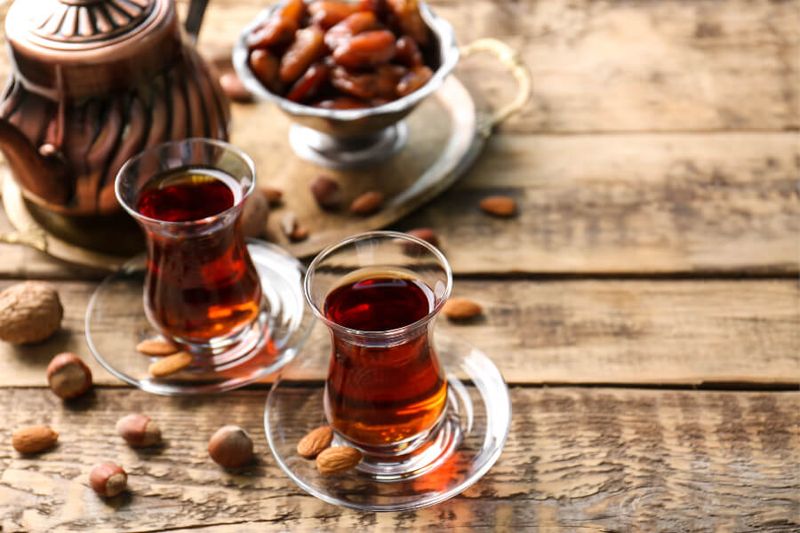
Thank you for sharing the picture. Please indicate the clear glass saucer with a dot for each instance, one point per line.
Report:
(480, 407)
(116, 323)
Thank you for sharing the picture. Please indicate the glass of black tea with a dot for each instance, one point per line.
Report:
(386, 392)
(202, 290)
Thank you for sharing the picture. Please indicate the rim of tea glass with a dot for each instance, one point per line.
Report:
(395, 235)
(238, 152)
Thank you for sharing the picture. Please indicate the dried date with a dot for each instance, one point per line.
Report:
(408, 52)
(349, 27)
(366, 49)
(280, 28)
(309, 83)
(307, 47)
(416, 78)
(342, 102)
(409, 19)
(327, 13)
(265, 66)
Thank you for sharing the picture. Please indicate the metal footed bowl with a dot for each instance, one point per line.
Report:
(341, 138)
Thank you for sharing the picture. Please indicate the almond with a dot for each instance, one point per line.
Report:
(315, 442)
(461, 309)
(34, 439)
(336, 460)
(157, 347)
(273, 195)
(367, 204)
(300, 233)
(326, 192)
(170, 364)
(499, 206)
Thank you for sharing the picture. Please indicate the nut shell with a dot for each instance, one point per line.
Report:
(29, 312)
(315, 442)
(34, 439)
(68, 376)
(108, 479)
(338, 459)
(139, 430)
(231, 447)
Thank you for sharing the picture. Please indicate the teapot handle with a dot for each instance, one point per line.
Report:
(194, 17)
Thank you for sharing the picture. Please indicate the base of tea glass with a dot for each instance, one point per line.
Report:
(338, 153)
(474, 431)
(116, 322)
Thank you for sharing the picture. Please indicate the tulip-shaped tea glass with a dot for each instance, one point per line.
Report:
(201, 286)
(203, 291)
(386, 392)
(429, 415)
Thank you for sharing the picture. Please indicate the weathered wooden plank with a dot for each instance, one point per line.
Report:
(656, 332)
(617, 66)
(580, 459)
(621, 66)
(620, 204)
(607, 204)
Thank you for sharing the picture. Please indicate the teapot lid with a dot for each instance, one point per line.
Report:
(79, 48)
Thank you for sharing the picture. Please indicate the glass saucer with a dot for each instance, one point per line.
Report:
(479, 405)
(116, 323)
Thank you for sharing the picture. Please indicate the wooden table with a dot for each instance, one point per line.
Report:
(643, 306)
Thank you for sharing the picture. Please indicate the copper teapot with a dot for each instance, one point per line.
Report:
(95, 82)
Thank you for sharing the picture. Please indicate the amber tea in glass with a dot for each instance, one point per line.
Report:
(380, 395)
(201, 287)
(385, 391)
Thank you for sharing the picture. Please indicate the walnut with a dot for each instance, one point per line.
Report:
(29, 312)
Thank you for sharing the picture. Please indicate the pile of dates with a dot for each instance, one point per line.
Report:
(343, 55)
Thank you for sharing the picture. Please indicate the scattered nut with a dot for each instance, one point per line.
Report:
(254, 215)
(461, 309)
(231, 447)
(156, 347)
(499, 206)
(338, 459)
(139, 431)
(29, 312)
(292, 229)
(68, 376)
(326, 192)
(315, 442)
(233, 87)
(274, 196)
(34, 439)
(425, 234)
(170, 364)
(108, 479)
(367, 204)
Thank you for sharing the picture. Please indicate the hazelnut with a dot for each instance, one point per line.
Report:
(231, 447)
(139, 430)
(108, 479)
(68, 376)
(326, 192)
(254, 215)
(273, 194)
(29, 312)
